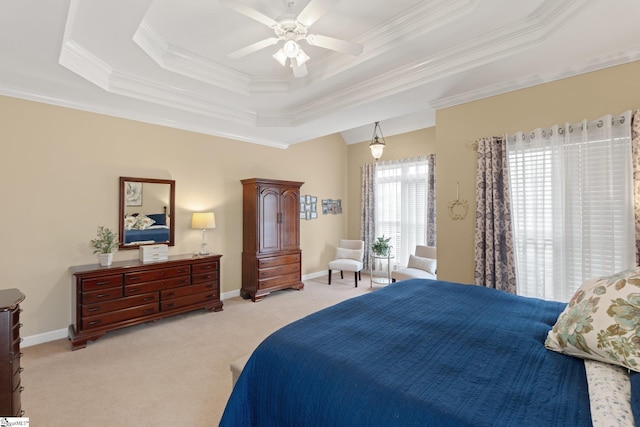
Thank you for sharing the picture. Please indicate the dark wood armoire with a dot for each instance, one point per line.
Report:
(271, 255)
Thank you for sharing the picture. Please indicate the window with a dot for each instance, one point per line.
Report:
(572, 205)
(402, 205)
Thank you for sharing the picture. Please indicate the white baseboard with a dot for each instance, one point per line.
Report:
(63, 333)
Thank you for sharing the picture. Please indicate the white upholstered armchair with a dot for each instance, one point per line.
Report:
(421, 265)
(349, 256)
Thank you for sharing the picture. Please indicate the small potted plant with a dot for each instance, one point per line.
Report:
(105, 244)
(380, 246)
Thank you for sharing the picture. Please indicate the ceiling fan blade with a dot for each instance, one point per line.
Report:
(314, 11)
(253, 47)
(334, 44)
(250, 12)
(299, 70)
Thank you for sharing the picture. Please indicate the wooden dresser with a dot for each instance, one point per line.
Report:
(271, 255)
(10, 369)
(131, 292)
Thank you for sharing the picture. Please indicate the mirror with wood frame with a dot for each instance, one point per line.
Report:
(147, 212)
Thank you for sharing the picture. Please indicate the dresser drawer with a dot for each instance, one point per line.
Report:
(160, 285)
(119, 304)
(266, 273)
(278, 260)
(204, 277)
(103, 282)
(279, 281)
(185, 301)
(118, 316)
(103, 295)
(204, 268)
(158, 274)
(189, 290)
(16, 404)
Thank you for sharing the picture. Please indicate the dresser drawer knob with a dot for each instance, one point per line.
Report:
(132, 290)
(19, 325)
(148, 311)
(95, 322)
(170, 305)
(106, 282)
(102, 295)
(170, 294)
(21, 389)
(147, 299)
(21, 370)
(92, 309)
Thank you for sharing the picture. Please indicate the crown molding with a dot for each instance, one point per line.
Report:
(533, 80)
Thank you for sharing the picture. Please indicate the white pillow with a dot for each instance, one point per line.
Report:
(342, 253)
(602, 321)
(426, 264)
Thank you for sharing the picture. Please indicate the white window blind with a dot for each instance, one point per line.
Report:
(402, 205)
(572, 205)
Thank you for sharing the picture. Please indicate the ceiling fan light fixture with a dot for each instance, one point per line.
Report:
(302, 58)
(280, 57)
(291, 49)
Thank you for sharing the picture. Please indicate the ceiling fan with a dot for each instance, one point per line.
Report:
(291, 30)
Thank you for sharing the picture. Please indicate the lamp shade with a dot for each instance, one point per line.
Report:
(203, 220)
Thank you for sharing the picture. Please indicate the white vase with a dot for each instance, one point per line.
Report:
(106, 259)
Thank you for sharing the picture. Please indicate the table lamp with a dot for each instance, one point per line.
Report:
(203, 221)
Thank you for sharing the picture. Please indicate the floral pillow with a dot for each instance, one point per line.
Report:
(129, 222)
(143, 222)
(602, 321)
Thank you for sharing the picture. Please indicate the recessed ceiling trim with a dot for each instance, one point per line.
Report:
(81, 61)
(508, 41)
(149, 90)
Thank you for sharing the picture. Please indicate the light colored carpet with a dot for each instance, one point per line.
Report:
(171, 372)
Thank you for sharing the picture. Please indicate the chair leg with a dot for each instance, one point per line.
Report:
(360, 275)
(356, 277)
(341, 274)
(329, 276)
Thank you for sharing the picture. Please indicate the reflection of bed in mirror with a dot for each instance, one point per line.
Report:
(147, 212)
(146, 228)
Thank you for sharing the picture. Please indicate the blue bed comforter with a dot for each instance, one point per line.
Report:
(416, 353)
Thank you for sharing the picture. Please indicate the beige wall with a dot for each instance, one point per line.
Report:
(411, 144)
(59, 170)
(60, 167)
(589, 96)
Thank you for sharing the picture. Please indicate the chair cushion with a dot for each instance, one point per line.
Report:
(411, 273)
(342, 253)
(345, 265)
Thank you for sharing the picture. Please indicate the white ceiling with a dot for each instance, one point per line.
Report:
(165, 61)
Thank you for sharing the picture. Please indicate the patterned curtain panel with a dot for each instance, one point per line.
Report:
(494, 257)
(431, 210)
(635, 152)
(367, 209)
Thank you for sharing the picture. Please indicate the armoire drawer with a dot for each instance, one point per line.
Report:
(265, 273)
(278, 281)
(278, 260)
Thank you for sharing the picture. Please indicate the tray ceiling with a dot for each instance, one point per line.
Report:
(166, 61)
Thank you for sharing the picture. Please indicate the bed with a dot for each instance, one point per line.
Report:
(419, 352)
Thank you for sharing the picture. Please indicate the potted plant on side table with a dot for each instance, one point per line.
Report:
(105, 244)
(380, 246)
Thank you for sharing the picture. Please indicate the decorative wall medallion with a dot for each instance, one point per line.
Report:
(458, 209)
